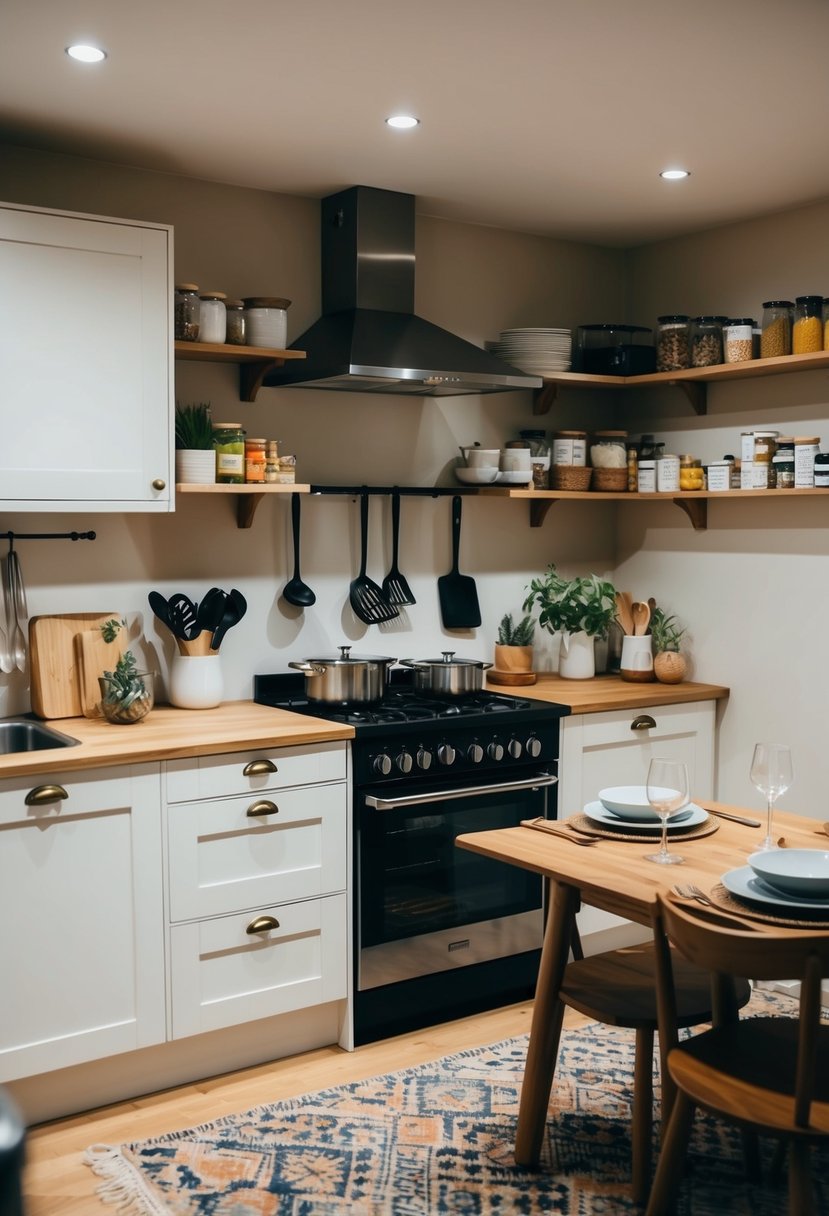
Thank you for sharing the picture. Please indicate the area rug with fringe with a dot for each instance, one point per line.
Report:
(437, 1140)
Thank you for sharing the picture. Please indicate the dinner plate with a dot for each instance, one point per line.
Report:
(745, 884)
(691, 817)
(629, 802)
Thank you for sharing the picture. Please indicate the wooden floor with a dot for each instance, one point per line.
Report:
(57, 1183)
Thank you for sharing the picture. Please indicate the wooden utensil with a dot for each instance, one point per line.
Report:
(641, 618)
(623, 614)
(459, 608)
(94, 656)
(55, 691)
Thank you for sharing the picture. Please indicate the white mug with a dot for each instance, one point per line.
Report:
(637, 658)
(479, 458)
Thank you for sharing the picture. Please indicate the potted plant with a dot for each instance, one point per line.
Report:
(669, 665)
(126, 693)
(514, 651)
(195, 457)
(580, 609)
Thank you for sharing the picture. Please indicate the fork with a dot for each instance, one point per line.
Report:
(690, 891)
(543, 825)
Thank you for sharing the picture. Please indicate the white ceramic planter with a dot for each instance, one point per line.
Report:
(196, 681)
(576, 660)
(196, 466)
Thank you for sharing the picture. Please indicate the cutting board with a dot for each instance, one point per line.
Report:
(55, 689)
(94, 656)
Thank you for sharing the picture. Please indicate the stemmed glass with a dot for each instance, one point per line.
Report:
(772, 774)
(667, 789)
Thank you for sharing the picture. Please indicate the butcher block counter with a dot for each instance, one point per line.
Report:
(168, 733)
(610, 692)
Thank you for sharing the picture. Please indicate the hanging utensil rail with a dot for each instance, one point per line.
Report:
(11, 537)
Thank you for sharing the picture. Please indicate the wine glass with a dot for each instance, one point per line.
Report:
(667, 789)
(772, 774)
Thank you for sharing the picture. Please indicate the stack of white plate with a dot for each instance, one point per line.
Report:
(540, 352)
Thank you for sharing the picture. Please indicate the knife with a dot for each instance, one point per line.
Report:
(749, 823)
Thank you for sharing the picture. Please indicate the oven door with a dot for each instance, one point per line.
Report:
(424, 905)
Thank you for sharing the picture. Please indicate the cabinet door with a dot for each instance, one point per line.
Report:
(85, 362)
(82, 944)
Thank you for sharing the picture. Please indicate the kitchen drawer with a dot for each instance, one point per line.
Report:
(88, 793)
(223, 975)
(620, 727)
(216, 776)
(224, 857)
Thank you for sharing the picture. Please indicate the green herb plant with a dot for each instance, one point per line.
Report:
(572, 605)
(666, 631)
(520, 634)
(194, 429)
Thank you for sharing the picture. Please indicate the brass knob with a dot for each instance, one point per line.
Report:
(643, 722)
(159, 484)
(42, 795)
(262, 808)
(256, 768)
(262, 924)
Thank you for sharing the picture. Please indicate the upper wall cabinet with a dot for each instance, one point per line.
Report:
(86, 362)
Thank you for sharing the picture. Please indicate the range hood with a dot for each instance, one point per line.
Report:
(369, 339)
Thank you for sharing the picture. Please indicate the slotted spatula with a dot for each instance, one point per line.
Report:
(459, 608)
(367, 599)
(395, 587)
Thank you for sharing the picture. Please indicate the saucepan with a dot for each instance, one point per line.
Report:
(448, 676)
(335, 679)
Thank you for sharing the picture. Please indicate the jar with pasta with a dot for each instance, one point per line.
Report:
(672, 346)
(737, 339)
(776, 338)
(706, 341)
(807, 331)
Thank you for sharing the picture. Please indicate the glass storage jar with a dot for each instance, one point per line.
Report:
(229, 446)
(776, 338)
(255, 460)
(212, 316)
(235, 322)
(266, 320)
(672, 346)
(807, 331)
(691, 476)
(186, 312)
(608, 449)
(737, 338)
(706, 341)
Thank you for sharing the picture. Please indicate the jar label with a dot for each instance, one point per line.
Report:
(804, 464)
(231, 463)
(570, 451)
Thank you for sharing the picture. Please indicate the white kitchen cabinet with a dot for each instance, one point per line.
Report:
(82, 946)
(86, 362)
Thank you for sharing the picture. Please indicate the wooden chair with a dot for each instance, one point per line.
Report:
(766, 1074)
(618, 988)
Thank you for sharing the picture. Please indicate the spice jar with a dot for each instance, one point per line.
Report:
(235, 322)
(706, 341)
(776, 338)
(254, 460)
(266, 320)
(672, 346)
(646, 481)
(229, 445)
(667, 474)
(737, 337)
(570, 447)
(765, 445)
(272, 460)
(807, 332)
(782, 475)
(186, 312)
(212, 316)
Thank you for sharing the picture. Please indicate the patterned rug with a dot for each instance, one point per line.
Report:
(436, 1140)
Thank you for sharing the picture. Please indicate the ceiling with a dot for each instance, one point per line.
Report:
(538, 116)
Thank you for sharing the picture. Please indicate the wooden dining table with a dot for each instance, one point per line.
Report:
(613, 875)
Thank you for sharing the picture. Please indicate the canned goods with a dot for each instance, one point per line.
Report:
(570, 447)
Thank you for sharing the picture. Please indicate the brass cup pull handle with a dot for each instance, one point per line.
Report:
(643, 722)
(42, 795)
(256, 768)
(257, 809)
(262, 924)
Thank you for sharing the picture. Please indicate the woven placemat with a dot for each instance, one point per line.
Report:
(730, 903)
(589, 827)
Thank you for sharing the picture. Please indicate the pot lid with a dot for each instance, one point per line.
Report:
(345, 657)
(448, 660)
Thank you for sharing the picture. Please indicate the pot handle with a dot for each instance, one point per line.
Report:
(310, 669)
(414, 664)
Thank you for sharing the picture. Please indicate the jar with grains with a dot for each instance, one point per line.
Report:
(255, 460)
(776, 338)
(738, 340)
(186, 312)
(807, 331)
(608, 450)
(212, 316)
(706, 341)
(229, 446)
(673, 350)
(235, 322)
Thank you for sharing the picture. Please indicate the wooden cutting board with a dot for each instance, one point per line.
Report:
(55, 690)
(94, 656)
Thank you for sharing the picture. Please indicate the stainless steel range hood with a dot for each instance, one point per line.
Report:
(369, 339)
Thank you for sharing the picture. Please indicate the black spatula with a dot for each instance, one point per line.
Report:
(367, 600)
(459, 607)
(395, 588)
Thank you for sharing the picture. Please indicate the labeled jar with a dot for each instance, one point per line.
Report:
(229, 446)
(673, 350)
(667, 474)
(255, 460)
(570, 448)
(765, 445)
(646, 479)
(212, 316)
(266, 321)
(784, 447)
(706, 341)
(822, 471)
(805, 450)
(186, 309)
(235, 335)
(737, 338)
(807, 331)
(719, 474)
(782, 475)
(776, 338)
(691, 476)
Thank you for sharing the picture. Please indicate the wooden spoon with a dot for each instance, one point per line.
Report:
(623, 614)
(641, 618)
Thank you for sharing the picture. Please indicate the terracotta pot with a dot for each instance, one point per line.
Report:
(670, 667)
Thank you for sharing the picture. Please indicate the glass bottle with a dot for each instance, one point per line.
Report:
(777, 329)
(229, 446)
(186, 312)
(807, 332)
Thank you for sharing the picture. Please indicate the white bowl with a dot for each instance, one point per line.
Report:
(483, 476)
(794, 871)
(628, 802)
(477, 458)
(512, 478)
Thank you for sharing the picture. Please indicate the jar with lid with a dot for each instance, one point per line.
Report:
(673, 350)
(255, 460)
(667, 474)
(690, 473)
(266, 320)
(807, 331)
(776, 338)
(822, 471)
(229, 446)
(738, 341)
(570, 448)
(272, 460)
(235, 322)
(806, 448)
(706, 341)
(646, 477)
(540, 457)
(186, 312)
(212, 316)
(782, 474)
(608, 449)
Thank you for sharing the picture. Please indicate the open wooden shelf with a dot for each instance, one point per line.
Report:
(248, 497)
(254, 361)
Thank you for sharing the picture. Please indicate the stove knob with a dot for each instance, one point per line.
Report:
(424, 758)
(533, 747)
(514, 748)
(446, 754)
(382, 764)
(475, 753)
(495, 750)
(404, 762)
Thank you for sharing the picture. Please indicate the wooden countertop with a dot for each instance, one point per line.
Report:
(168, 733)
(610, 692)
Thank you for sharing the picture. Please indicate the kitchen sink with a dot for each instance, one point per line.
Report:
(22, 735)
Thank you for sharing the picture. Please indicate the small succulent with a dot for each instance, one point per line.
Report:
(194, 430)
(125, 696)
(666, 631)
(510, 634)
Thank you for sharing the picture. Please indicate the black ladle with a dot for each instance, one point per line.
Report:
(296, 592)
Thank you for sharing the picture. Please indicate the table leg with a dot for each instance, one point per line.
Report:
(545, 1030)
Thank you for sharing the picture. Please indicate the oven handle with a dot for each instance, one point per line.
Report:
(469, 791)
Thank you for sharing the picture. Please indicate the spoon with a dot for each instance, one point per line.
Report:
(641, 618)
(623, 615)
(297, 592)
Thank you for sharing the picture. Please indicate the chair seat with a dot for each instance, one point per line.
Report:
(746, 1073)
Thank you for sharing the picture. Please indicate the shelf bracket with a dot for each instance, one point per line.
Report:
(251, 376)
(545, 399)
(246, 505)
(696, 509)
(696, 393)
(538, 511)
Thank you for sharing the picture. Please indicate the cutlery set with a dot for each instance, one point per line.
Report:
(199, 627)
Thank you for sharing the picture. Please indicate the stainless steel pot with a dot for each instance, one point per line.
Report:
(333, 679)
(448, 676)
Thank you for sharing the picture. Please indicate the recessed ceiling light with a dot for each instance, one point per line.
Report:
(403, 121)
(86, 54)
(674, 175)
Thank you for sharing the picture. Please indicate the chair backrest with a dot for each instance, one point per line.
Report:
(765, 955)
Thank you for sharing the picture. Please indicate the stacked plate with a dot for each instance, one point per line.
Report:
(539, 352)
(627, 806)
